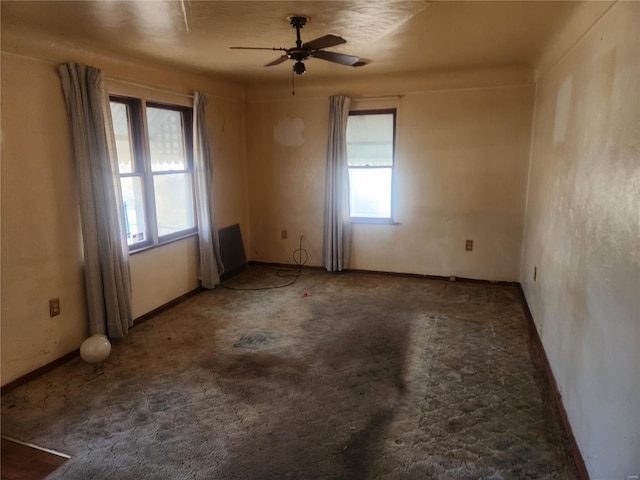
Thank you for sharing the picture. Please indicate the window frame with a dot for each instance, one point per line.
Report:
(141, 166)
(379, 220)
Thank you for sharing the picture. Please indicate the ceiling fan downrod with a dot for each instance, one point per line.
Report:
(298, 22)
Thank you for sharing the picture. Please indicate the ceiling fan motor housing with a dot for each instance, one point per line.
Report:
(298, 54)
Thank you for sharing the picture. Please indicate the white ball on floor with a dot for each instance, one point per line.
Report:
(95, 349)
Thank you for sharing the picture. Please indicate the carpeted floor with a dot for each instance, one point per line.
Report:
(347, 376)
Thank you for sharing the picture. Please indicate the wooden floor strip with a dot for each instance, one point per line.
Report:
(25, 461)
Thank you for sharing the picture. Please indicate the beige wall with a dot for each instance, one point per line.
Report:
(461, 167)
(163, 274)
(41, 241)
(583, 237)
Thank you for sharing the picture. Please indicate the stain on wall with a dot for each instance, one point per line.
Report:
(563, 105)
(288, 132)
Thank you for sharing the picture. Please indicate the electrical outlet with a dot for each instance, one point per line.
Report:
(469, 246)
(284, 235)
(54, 307)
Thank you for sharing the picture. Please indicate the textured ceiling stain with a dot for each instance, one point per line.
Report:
(362, 23)
(288, 132)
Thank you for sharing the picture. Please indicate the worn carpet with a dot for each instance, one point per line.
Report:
(341, 376)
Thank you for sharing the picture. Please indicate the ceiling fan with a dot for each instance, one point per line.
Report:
(312, 49)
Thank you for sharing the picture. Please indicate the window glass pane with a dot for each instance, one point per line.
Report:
(133, 204)
(370, 192)
(166, 140)
(370, 140)
(174, 202)
(122, 132)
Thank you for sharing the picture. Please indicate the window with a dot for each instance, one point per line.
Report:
(154, 150)
(370, 153)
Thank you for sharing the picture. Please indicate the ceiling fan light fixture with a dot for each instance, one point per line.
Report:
(299, 68)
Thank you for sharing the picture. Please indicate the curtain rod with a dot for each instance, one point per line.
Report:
(148, 87)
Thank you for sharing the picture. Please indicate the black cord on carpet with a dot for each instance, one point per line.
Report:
(281, 271)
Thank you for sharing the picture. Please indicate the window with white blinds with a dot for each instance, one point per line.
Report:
(370, 153)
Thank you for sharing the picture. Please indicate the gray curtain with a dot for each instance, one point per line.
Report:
(210, 261)
(337, 220)
(106, 253)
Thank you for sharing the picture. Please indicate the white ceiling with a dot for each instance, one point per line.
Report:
(396, 36)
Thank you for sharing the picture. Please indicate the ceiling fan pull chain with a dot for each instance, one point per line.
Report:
(293, 83)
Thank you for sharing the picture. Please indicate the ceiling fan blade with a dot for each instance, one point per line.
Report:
(257, 48)
(277, 61)
(340, 58)
(324, 42)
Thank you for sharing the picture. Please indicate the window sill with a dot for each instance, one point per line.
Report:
(375, 221)
(159, 245)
